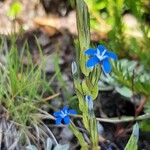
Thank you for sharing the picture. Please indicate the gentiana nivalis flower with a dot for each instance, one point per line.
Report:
(100, 55)
(62, 116)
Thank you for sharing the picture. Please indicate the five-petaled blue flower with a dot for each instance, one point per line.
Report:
(62, 116)
(100, 55)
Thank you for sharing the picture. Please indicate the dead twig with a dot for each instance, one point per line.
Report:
(141, 106)
(51, 97)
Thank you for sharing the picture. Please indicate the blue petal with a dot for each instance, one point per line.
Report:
(92, 62)
(67, 120)
(90, 51)
(65, 109)
(112, 55)
(71, 111)
(101, 48)
(57, 114)
(58, 121)
(106, 66)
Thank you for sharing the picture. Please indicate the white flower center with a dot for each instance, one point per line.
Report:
(101, 56)
(63, 115)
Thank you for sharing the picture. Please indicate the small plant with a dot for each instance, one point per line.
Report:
(90, 64)
(23, 86)
(22, 89)
(87, 87)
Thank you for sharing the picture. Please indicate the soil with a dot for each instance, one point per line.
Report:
(57, 7)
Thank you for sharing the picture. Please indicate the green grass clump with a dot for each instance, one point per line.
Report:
(22, 89)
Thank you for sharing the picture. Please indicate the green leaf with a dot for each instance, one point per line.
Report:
(83, 26)
(94, 133)
(79, 136)
(85, 88)
(133, 141)
(82, 105)
(95, 75)
(80, 94)
(124, 91)
(94, 91)
(145, 125)
(90, 89)
(85, 120)
(78, 86)
(131, 75)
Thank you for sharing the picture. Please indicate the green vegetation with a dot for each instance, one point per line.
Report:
(22, 88)
(23, 83)
(130, 38)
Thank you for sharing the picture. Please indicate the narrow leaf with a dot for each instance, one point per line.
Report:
(83, 26)
(133, 141)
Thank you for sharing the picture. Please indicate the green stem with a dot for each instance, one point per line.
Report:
(79, 136)
(94, 133)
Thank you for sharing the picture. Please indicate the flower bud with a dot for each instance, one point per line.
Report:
(74, 67)
(89, 102)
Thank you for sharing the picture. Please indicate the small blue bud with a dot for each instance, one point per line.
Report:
(89, 102)
(100, 128)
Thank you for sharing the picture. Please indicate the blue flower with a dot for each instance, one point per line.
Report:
(62, 116)
(100, 55)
